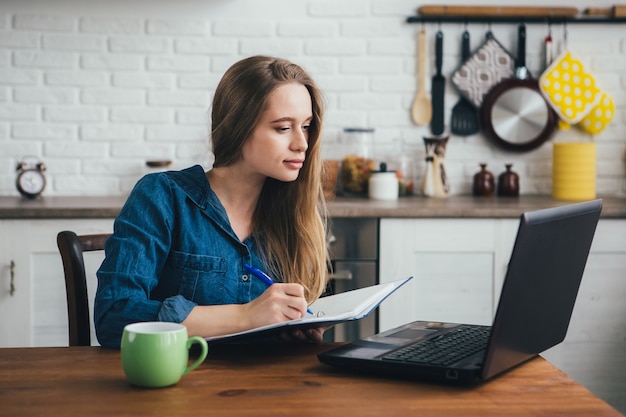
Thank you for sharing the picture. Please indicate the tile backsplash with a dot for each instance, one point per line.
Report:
(95, 91)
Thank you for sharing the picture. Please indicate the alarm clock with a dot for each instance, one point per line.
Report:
(30, 180)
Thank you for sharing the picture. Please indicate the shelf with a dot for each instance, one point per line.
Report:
(516, 19)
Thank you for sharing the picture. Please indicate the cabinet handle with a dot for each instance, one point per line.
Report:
(12, 290)
(342, 274)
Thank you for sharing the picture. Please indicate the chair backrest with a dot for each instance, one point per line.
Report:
(71, 247)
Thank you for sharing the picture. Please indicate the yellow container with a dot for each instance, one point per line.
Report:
(574, 171)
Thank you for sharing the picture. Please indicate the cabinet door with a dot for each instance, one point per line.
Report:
(15, 285)
(452, 262)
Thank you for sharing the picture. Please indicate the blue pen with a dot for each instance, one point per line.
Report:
(256, 272)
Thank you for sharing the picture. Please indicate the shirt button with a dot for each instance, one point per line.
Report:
(244, 278)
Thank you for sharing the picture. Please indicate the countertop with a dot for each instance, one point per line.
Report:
(55, 207)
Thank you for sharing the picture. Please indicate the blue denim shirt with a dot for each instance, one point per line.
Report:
(172, 248)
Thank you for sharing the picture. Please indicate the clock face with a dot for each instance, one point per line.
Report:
(31, 182)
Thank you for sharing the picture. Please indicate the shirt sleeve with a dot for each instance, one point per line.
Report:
(134, 258)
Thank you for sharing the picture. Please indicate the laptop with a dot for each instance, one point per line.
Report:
(533, 314)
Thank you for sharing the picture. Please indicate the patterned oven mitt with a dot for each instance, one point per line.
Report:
(600, 116)
(569, 88)
(489, 65)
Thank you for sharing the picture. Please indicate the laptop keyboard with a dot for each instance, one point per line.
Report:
(445, 349)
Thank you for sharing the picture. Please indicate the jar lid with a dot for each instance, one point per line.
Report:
(383, 169)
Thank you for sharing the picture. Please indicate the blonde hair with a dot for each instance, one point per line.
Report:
(290, 217)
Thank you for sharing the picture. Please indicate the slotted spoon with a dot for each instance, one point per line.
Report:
(465, 119)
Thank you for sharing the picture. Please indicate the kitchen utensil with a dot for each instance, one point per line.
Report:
(438, 88)
(514, 113)
(500, 11)
(548, 48)
(464, 119)
(421, 111)
(615, 11)
(490, 64)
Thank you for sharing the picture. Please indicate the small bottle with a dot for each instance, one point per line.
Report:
(383, 184)
(484, 182)
(508, 183)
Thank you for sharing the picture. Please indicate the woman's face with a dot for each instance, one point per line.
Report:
(279, 141)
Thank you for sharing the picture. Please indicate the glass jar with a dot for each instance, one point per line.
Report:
(358, 162)
(383, 184)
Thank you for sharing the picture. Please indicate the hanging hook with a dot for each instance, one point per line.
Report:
(549, 27)
(549, 46)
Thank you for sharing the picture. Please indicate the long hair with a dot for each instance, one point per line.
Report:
(290, 217)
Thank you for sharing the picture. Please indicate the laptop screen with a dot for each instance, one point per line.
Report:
(542, 281)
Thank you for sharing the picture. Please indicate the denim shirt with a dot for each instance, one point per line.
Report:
(172, 248)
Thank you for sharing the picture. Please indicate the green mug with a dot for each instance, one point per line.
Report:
(156, 354)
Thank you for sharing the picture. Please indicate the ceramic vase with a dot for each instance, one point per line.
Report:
(435, 181)
(484, 182)
(508, 183)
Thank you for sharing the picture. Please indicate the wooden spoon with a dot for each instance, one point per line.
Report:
(421, 109)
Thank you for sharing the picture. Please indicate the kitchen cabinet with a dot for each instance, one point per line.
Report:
(36, 313)
(459, 266)
(15, 286)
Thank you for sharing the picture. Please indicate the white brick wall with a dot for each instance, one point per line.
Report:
(94, 91)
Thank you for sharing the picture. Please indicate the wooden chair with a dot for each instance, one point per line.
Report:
(71, 247)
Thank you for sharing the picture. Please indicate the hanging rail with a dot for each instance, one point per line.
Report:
(517, 19)
(511, 14)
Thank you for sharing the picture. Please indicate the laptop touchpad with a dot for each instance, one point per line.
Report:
(410, 333)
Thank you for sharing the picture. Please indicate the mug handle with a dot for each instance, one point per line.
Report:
(205, 350)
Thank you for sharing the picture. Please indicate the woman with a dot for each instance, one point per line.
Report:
(181, 240)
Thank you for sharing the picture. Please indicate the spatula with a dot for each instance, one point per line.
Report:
(465, 119)
(438, 88)
(421, 111)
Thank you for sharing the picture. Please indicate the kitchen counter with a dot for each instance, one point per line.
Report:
(409, 207)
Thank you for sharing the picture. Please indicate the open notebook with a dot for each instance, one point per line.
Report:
(330, 310)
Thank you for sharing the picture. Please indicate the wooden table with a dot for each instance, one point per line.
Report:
(278, 380)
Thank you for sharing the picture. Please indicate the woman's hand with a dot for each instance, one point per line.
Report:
(279, 302)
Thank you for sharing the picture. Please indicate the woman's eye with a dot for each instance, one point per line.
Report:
(306, 127)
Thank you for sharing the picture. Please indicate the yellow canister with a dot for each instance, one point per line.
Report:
(574, 171)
